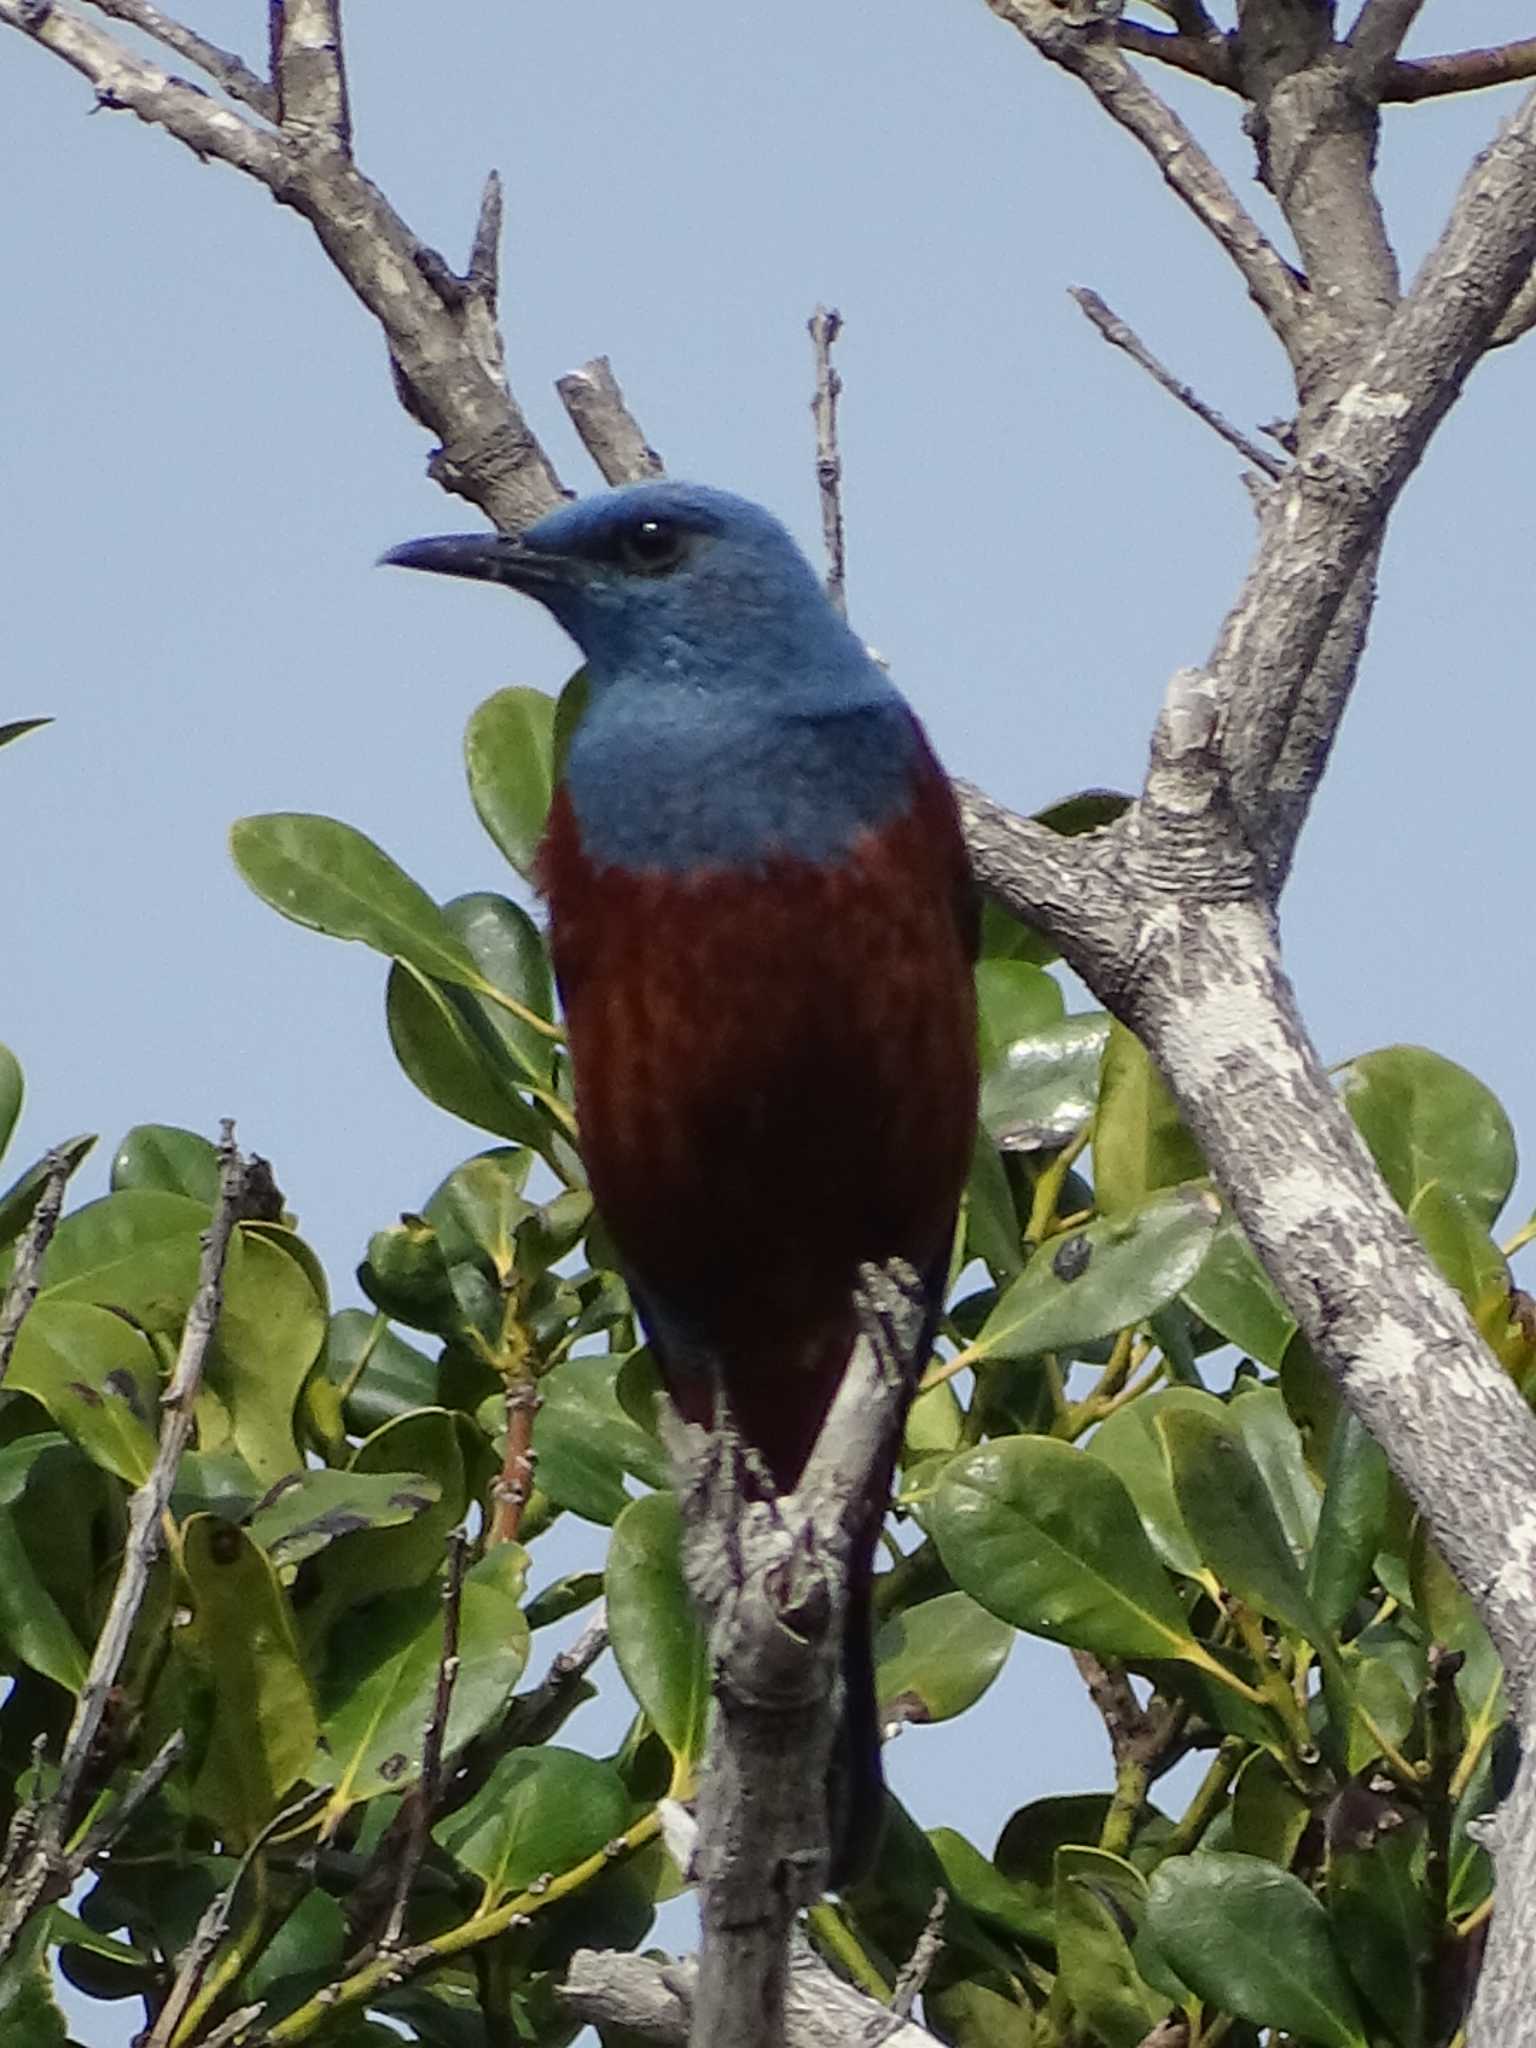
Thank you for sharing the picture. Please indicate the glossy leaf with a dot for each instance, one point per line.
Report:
(1380, 1917)
(1026, 1848)
(1100, 1901)
(654, 1628)
(934, 1660)
(165, 1156)
(1352, 1523)
(12, 1089)
(15, 728)
(1131, 1445)
(1013, 1000)
(1426, 1119)
(381, 1670)
(992, 1232)
(32, 1628)
(1251, 1940)
(1047, 1538)
(1089, 1282)
(541, 1812)
(262, 1734)
(310, 1509)
(137, 1251)
(1041, 1089)
(1014, 1911)
(1139, 1144)
(477, 1209)
(509, 759)
(383, 1375)
(1261, 1419)
(1229, 1513)
(505, 945)
(454, 1062)
(97, 1376)
(1269, 1815)
(270, 1333)
(586, 1443)
(1232, 1293)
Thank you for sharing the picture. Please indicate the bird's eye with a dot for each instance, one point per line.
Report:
(652, 546)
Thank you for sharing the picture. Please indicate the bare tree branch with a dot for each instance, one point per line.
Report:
(825, 326)
(770, 1576)
(1429, 78)
(1129, 100)
(1207, 57)
(1380, 30)
(435, 331)
(226, 70)
(26, 1272)
(609, 432)
(1119, 335)
(654, 2001)
(423, 1795)
(309, 73)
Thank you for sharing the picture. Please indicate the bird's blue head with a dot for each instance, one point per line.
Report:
(731, 713)
(672, 583)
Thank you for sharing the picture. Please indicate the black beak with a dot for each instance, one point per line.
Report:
(487, 557)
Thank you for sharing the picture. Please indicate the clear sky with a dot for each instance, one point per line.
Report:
(203, 457)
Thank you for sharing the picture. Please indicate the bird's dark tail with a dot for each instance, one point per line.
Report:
(856, 1786)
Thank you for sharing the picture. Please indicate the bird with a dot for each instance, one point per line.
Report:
(762, 922)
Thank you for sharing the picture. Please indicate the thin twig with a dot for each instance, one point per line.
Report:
(231, 2029)
(26, 1273)
(515, 1481)
(423, 1795)
(1127, 98)
(116, 1821)
(483, 275)
(918, 1967)
(1110, 1690)
(825, 325)
(608, 430)
(1429, 78)
(228, 71)
(1119, 335)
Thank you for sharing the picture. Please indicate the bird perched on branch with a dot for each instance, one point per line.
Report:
(762, 923)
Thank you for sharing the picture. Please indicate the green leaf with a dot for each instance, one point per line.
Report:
(334, 879)
(506, 946)
(934, 1660)
(308, 1510)
(992, 1232)
(1131, 1445)
(1139, 1144)
(1100, 1901)
(1229, 1513)
(476, 1211)
(1232, 1293)
(1016, 1912)
(12, 1090)
(14, 728)
(1426, 1119)
(164, 1156)
(1013, 1000)
(1269, 1815)
(240, 1638)
(1352, 1524)
(586, 1442)
(385, 1376)
(270, 1333)
(541, 1812)
(31, 1624)
(1026, 1848)
(455, 1063)
(1274, 1444)
(381, 1670)
(656, 1635)
(1041, 1089)
(509, 747)
(1380, 1915)
(1114, 1273)
(137, 1251)
(98, 1378)
(1251, 1940)
(1047, 1538)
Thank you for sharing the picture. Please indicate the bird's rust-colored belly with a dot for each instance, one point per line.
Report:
(775, 1077)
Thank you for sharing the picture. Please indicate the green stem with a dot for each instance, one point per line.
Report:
(1209, 1794)
(832, 1934)
(1133, 1779)
(398, 1965)
(1048, 1187)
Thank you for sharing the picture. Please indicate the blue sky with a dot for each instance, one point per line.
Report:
(203, 458)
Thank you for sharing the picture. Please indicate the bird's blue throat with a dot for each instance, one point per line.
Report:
(678, 780)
